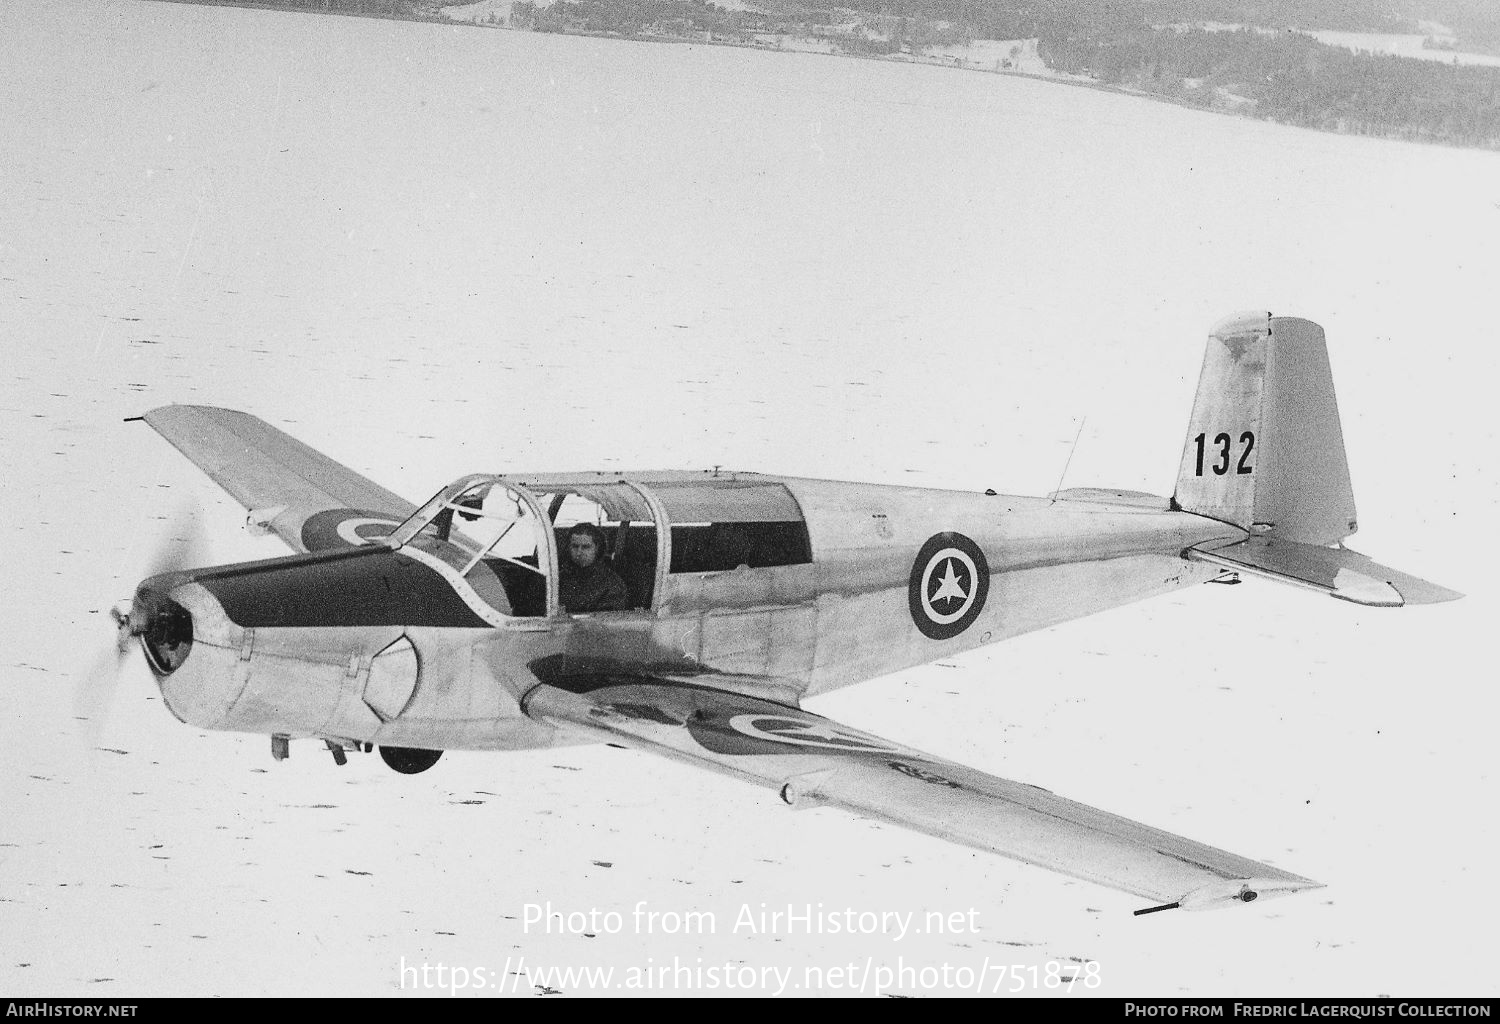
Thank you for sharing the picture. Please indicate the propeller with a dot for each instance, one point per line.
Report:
(183, 545)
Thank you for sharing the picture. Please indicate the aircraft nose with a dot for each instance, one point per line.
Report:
(165, 628)
(191, 647)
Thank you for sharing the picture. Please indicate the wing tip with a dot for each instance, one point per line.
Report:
(186, 407)
(1422, 592)
(1217, 895)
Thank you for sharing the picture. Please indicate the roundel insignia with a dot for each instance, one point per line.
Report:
(949, 581)
(915, 772)
(345, 527)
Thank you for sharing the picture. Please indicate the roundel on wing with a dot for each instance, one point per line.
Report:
(345, 527)
(950, 580)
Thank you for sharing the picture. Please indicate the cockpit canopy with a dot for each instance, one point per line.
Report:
(500, 540)
(719, 525)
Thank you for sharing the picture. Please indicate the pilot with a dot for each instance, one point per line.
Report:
(588, 584)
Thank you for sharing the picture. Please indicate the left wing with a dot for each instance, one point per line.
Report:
(289, 489)
(812, 761)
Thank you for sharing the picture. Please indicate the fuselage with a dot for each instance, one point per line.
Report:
(783, 588)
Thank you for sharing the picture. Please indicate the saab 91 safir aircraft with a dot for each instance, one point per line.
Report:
(441, 628)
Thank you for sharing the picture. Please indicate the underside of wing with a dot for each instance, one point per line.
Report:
(301, 495)
(813, 761)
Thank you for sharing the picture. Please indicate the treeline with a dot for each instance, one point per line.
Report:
(632, 17)
(1292, 78)
(868, 35)
(371, 8)
(404, 10)
(1010, 19)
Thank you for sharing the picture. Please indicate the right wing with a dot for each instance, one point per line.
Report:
(289, 489)
(811, 760)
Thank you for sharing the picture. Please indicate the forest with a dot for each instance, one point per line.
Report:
(1291, 78)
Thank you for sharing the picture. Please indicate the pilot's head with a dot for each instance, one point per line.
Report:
(585, 544)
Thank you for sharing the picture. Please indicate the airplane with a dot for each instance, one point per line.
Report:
(424, 629)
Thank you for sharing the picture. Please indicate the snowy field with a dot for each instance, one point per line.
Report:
(1000, 54)
(430, 250)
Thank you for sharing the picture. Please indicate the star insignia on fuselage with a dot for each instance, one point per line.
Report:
(948, 586)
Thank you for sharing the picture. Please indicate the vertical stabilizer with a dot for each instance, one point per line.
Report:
(1264, 448)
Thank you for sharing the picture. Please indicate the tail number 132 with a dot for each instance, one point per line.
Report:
(1223, 452)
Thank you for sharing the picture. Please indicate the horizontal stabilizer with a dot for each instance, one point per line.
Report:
(1338, 572)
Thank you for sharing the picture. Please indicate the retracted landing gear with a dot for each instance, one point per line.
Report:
(409, 760)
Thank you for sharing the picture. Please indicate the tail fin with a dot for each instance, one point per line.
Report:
(1264, 448)
(1265, 452)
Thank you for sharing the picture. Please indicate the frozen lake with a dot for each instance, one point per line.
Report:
(1401, 45)
(431, 250)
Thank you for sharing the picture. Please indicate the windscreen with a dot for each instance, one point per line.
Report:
(488, 533)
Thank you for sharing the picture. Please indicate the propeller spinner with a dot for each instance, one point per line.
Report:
(164, 627)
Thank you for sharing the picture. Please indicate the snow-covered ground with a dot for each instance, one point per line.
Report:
(428, 250)
(996, 55)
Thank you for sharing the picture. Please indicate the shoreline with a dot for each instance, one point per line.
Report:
(952, 64)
